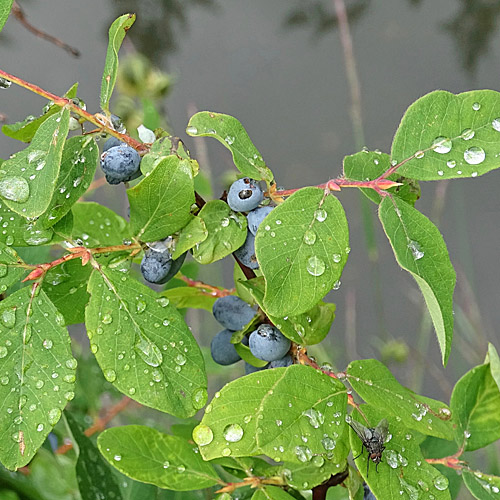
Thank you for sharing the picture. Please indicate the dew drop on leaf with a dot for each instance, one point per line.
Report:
(496, 124)
(9, 318)
(233, 433)
(320, 215)
(180, 359)
(110, 375)
(391, 458)
(451, 163)
(163, 301)
(303, 453)
(226, 452)
(467, 134)
(441, 145)
(315, 266)
(140, 306)
(149, 352)
(416, 250)
(54, 416)
(309, 237)
(440, 482)
(3, 351)
(47, 343)
(199, 398)
(107, 318)
(474, 155)
(203, 435)
(15, 189)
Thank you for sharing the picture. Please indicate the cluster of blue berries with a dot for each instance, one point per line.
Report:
(266, 343)
(119, 161)
(245, 195)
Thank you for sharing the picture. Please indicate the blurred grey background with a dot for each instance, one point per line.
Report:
(279, 68)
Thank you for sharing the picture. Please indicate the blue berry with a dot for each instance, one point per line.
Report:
(255, 217)
(252, 369)
(120, 164)
(268, 343)
(368, 495)
(244, 195)
(223, 352)
(282, 363)
(111, 143)
(246, 253)
(157, 265)
(232, 312)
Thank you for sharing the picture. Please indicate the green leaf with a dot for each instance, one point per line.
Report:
(12, 267)
(369, 165)
(31, 175)
(194, 232)
(226, 232)
(494, 360)
(117, 33)
(246, 355)
(449, 136)
(482, 486)
(161, 203)
(420, 249)
(37, 373)
(78, 165)
(147, 455)
(25, 130)
(143, 346)
(308, 328)
(403, 471)
(96, 225)
(190, 297)
(293, 414)
(5, 6)
(163, 148)
(271, 493)
(230, 132)
(302, 250)
(94, 476)
(378, 387)
(475, 403)
(66, 287)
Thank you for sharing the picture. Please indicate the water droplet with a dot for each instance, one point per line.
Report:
(39, 383)
(336, 258)
(4, 380)
(94, 348)
(318, 461)
(38, 236)
(131, 391)
(309, 237)
(70, 378)
(440, 482)
(163, 301)
(39, 427)
(233, 433)
(3, 351)
(303, 453)
(474, 155)
(440, 172)
(15, 189)
(476, 106)
(336, 285)
(192, 130)
(140, 306)
(199, 398)
(496, 124)
(202, 435)
(9, 317)
(149, 352)
(315, 417)
(467, 134)
(110, 375)
(54, 416)
(451, 163)
(180, 359)
(47, 343)
(320, 215)
(416, 250)
(391, 458)
(226, 452)
(419, 154)
(315, 266)
(72, 363)
(441, 145)
(107, 318)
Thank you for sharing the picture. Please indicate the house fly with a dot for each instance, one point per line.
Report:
(373, 439)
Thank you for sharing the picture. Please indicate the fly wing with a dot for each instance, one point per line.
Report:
(380, 432)
(364, 433)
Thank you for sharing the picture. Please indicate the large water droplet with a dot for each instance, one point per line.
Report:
(496, 124)
(328, 443)
(9, 318)
(192, 130)
(202, 435)
(451, 163)
(180, 359)
(54, 416)
(391, 458)
(441, 145)
(309, 237)
(304, 454)
(320, 215)
(476, 106)
(467, 134)
(199, 398)
(163, 301)
(315, 417)
(416, 250)
(110, 375)
(149, 352)
(47, 343)
(440, 482)
(15, 189)
(233, 433)
(474, 155)
(34, 237)
(315, 266)
(140, 306)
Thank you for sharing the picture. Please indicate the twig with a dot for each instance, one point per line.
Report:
(19, 14)
(320, 491)
(212, 291)
(100, 423)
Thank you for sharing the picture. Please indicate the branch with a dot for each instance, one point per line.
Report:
(210, 290)
(19, 14)
(100, 423)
